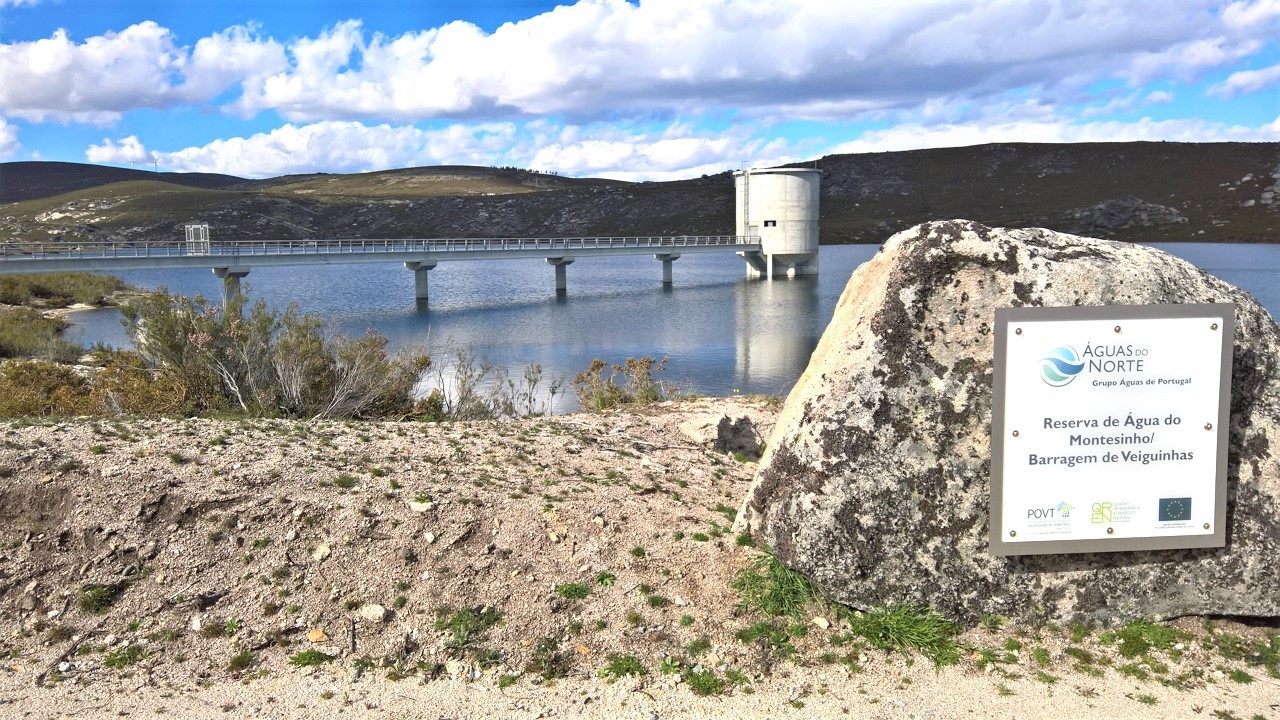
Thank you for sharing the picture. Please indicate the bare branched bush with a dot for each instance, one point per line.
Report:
(470, 388)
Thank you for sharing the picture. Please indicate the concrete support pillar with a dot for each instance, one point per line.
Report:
(768, 262)
(562, 277)
(230, 281)
(420, 269)
(667, 259)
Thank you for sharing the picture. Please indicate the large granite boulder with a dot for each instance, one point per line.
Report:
(875, 482)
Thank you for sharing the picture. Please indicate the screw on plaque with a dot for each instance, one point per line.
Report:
(1117, 328)
(1013, 533)
(1018, 331)
(1208, 426)
(1111, 531)
(1016, 433)
(1213, 326)
(1206, 526)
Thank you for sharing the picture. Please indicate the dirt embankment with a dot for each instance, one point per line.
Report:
(193, 569)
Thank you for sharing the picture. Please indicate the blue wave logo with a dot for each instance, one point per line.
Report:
(1060, 366)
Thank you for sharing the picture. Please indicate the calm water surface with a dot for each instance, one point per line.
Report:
(722, 332)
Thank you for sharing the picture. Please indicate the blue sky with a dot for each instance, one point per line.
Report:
(656, 89)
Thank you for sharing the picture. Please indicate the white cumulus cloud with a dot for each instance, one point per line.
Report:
(331, 146)
(1247, 81)
(656, 58)
(126, 150)
(99, 79)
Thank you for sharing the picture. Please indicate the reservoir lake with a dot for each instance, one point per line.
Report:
(724, 334)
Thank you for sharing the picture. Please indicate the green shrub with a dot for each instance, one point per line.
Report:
(27, 333)
(58, 289)
(42, 389)
(600, 385)
(268, 362)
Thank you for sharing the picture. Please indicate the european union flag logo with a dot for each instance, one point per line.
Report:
(1175, 509)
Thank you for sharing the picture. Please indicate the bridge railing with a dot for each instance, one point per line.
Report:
(131, 249)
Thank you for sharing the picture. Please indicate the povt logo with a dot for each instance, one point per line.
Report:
(1060, 366)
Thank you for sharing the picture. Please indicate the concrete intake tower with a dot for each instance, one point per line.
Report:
(780, 206)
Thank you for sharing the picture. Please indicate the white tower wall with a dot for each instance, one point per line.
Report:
(780, 206)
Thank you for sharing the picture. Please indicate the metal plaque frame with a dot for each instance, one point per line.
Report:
(1012, 317)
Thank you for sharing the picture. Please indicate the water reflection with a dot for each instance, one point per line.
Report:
(767, 346)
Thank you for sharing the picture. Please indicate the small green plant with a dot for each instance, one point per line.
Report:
(772, 588)
(1139, 637)
(506, 681)
(769, 636)
(1240, 676)
(240, 661)
(345, 481)
(686, 620)
(700, 537)
(638, 551)
(399, 602)
(573, 591)
(1041, 656)
(744, 539)
(901, 627)
(606, 579)
(231, 627)
(59, 633)
(467, 625)
(309, 658)
(1046, 678)
(1146, 699)
(548, 661)
(97, 599)
(704, 683)
(994, 622)
(698, 646)
(125, 656)
(620, 666)
(657, 601)
(97, 449)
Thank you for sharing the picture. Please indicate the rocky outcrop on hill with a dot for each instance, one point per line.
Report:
(875, 482)
(1110, 215)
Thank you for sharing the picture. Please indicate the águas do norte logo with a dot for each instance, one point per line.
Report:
(1061, 365)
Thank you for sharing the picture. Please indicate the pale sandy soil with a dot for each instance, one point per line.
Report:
(238, 536)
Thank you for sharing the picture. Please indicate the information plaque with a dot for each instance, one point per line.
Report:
(1109, 428)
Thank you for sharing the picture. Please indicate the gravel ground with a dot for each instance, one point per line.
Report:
(181, 568)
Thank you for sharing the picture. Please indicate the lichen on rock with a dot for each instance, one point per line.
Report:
(875, 482)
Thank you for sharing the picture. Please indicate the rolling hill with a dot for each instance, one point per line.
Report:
(1223, 192)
